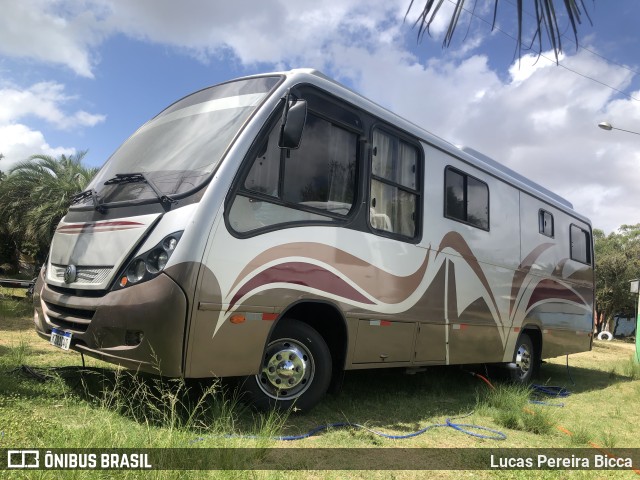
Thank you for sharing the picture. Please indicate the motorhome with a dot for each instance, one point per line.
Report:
(284, 229)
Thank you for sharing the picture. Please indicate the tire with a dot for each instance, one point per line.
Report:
(295, 372)
(526, 361)
(605, 336)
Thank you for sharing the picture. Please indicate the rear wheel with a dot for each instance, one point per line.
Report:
(525, 360)
(295, 370)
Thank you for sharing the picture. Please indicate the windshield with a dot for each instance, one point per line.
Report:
(178, 149)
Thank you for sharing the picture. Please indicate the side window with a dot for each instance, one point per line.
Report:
(466, 199)
(321, 173)
(394, 185)
(545, 223)
(264, 176)
(314, 183)
(580, 245)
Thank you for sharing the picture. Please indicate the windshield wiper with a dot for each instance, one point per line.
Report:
(94, 197)
(121, 178)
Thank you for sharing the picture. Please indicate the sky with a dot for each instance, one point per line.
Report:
(81, 75)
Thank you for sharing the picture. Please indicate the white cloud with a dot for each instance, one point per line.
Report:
(66, 32)
(18, 142)
(50, 32)
(45, 101)
(254, 31)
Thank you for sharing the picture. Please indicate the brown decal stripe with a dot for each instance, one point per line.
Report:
(98, 227)
(549, 289)
(383, 286)
(299, 273)
(456, 242)
(523, 271)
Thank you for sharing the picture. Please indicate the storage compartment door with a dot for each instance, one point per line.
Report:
(382, 341)
(431, 343)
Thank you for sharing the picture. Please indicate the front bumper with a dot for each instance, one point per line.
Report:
(141, 327)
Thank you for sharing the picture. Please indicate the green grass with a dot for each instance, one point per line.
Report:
(102, 407)
(13, 303)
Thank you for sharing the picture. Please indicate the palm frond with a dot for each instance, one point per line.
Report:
(546, 21)
(35, 195)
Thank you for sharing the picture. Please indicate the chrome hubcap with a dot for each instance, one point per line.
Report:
(523, 360)
(287, 369)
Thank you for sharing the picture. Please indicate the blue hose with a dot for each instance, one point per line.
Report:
(461, 427)
(551, 391)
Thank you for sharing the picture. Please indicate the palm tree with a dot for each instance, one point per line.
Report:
(36, 193)
(546, 20)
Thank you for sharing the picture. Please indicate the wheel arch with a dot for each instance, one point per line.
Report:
(328, 320)
(535, 334)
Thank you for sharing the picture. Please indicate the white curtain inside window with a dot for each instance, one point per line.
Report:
(392, 209)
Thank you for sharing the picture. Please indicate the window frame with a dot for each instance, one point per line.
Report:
(589, 245)
(466, 176)
(541, 214)
(398, 137)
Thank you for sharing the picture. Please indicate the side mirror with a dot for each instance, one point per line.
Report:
(293, 120)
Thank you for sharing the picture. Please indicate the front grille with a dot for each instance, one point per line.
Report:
(84, 275)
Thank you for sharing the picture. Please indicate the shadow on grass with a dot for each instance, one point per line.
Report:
(16, 315)
(578, 379)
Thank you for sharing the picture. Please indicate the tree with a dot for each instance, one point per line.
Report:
(546, 20)
(617, 262)
(35, 195)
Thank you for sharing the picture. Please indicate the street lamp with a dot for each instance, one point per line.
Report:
(607, 126)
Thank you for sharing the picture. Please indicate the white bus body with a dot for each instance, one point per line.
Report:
(203, 248)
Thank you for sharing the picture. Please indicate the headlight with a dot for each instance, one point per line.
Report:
(135, 272)
(170, 243)
(157, 260)
(149, 264)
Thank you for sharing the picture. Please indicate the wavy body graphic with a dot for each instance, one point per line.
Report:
(331, 272)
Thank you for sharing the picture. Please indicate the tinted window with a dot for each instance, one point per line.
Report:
(580, 245)
(322, 170)
(264, 176)
(466, 199)
(545, 223)
(314, 183)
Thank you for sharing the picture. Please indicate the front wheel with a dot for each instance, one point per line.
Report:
(525, 361)
(295, 370)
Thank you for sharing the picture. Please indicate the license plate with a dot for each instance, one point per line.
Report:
(60, 339)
